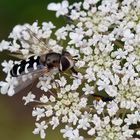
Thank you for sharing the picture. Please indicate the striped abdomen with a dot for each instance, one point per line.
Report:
(25, 66)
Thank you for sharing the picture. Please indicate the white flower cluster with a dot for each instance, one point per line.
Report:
(105, 34)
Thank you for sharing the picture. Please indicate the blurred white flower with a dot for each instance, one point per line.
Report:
(75, 84)
(71, 134)
(83, 102)
(7, 66)
(4, 45)
(117, 121)
(80, 63)
(84, 122)
(54, 122)
(38, 113)
(88, 89)
(75, 38)
(99, 106)
(44, 99)
(40, 129)
(90, 76)
(60, 8)
(61, 33)
(91, 132)
(103, 84)
(132, 118)
(112, 108)
(119, 54)
(29, 98)
(62, 82)
(96, 121)
(73, 118)
(8, 87)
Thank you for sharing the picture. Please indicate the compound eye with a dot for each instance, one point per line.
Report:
(54, 61)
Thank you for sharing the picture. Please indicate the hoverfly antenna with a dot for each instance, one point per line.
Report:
(75, 57)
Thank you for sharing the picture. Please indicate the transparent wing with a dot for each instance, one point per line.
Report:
(34, 40)
(24, 80)
(41, 41)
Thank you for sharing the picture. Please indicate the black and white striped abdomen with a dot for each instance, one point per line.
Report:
(26, 66)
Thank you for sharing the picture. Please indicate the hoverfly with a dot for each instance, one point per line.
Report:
(26, 71)
(49, 61)
(36, 66)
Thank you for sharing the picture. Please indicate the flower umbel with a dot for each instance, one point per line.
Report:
(102, 98)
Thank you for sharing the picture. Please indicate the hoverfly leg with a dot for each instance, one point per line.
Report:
(75, 58)
(74, 71)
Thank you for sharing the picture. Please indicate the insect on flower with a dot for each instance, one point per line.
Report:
(104, 99)
(36, 66)
(49, 61)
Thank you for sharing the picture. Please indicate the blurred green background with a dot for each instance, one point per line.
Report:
(16, 122)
